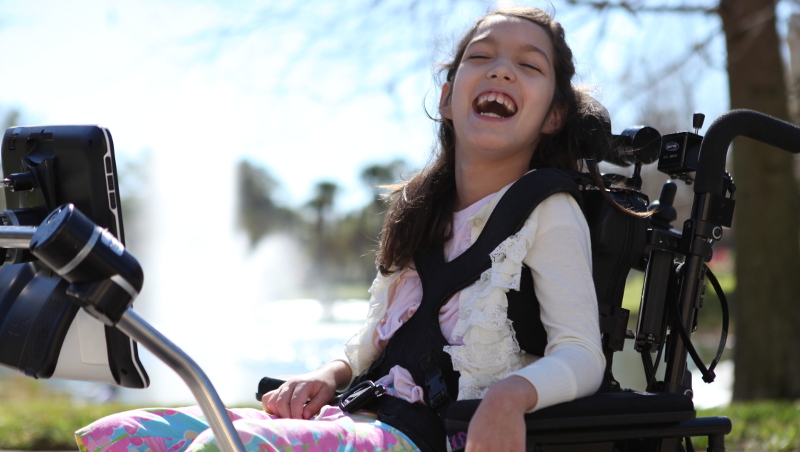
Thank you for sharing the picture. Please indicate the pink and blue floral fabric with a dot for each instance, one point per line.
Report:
(185, 429)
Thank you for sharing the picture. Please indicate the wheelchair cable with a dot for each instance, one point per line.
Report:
(708, 372)
(723, 302)
(708, 375)
(650, 369)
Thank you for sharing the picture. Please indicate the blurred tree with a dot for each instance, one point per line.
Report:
(258, 214)
(368, 222)
(322, 242)
(377, 175)
(767, 221)
(344, 247)
(322, 202)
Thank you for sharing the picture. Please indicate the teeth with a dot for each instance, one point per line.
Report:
(500, 98)
(490, 114)
(510, 105)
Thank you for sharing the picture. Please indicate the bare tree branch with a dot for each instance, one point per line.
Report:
(698, 48)
(634, 7)
(379, 45)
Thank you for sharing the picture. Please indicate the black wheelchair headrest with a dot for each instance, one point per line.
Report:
(594, 136)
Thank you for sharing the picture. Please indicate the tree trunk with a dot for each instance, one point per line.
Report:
(767, 221)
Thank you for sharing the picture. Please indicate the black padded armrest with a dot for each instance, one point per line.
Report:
(599, 410)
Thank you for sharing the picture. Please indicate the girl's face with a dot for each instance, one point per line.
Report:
(500, 100)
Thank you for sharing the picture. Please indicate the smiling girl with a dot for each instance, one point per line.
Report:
(507, 107)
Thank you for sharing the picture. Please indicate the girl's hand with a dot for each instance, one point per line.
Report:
(498, 423)
(303, 396)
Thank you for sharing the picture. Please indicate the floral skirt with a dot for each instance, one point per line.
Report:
(186, 429)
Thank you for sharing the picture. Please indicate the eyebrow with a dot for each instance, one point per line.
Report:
(525, 47)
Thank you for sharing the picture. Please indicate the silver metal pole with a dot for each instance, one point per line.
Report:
(194, 377)
(16, 236)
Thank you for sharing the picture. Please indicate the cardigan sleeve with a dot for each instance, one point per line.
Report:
(360, 349)
(560, 260)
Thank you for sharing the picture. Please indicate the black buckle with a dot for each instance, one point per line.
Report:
(437, 391)
(359, 395)
(438, 396)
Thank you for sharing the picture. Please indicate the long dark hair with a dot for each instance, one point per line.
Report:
(421, 211)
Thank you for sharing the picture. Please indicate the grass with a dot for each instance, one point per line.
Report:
(759, 426)
(34, 418)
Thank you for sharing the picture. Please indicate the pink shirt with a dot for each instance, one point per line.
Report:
(406, 295)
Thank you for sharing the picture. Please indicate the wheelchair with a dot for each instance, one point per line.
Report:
(65, 259)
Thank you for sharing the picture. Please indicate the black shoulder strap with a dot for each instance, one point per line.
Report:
(520, 200)
(507, 219)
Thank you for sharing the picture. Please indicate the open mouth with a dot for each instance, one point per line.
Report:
(495, 105)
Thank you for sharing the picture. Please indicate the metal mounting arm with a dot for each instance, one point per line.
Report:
(18, 237)
(194, 377)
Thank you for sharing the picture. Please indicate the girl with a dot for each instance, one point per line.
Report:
(507, 107)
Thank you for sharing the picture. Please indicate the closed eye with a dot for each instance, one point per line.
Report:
(531, 66)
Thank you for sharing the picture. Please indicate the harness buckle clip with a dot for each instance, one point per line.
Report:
(360, 395)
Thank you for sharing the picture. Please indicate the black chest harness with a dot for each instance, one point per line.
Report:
(418, 344)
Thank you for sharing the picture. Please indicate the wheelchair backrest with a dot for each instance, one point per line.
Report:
(618, 244)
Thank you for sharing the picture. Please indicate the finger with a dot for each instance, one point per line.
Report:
(271, 403)
(266, 401)
(320, 399)
(281, 401)
(298, 401)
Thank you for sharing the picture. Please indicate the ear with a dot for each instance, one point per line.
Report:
(554, 120)
(445, 102)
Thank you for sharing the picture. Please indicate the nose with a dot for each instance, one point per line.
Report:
(501, 70)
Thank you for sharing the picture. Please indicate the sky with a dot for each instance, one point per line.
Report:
(147, 71)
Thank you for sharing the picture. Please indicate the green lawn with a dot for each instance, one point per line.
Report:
(33, 418)
(760, 426)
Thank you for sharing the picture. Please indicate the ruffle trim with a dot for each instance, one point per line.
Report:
(490, 349)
